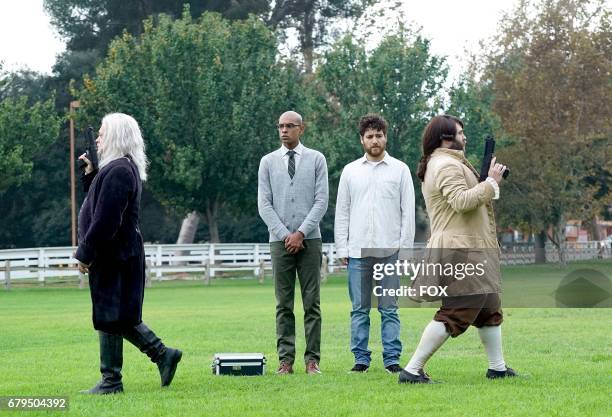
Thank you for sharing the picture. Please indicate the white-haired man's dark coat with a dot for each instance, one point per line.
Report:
(111, 244)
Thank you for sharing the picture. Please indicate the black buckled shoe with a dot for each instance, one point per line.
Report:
(424, 374)
(406, 377)
(493, 374)
(393, 369)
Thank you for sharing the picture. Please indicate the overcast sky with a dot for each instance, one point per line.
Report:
(28, 39)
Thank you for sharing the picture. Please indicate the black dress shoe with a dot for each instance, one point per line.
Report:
(424, 374)
(393, 369)
(406, 377)
(359, 368)
(493, 374)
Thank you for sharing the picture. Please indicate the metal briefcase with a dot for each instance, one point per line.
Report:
(239, 364)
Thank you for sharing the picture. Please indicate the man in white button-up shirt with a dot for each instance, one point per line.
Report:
(374, 209)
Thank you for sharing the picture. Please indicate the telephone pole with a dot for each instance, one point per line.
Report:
(73, 106)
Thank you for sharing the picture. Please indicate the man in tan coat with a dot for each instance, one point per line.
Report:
(461, 216)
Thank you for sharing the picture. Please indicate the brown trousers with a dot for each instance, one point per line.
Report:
(458, 313)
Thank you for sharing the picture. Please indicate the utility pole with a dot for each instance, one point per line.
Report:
(73, 106)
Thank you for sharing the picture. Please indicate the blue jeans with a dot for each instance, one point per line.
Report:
(359, 281)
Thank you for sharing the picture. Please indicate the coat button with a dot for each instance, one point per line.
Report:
(291, 183)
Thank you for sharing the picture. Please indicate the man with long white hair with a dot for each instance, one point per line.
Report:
(111, 251)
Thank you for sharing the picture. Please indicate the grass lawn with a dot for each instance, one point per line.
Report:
(49, 348)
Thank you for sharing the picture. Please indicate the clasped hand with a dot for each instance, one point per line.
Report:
(294, 242)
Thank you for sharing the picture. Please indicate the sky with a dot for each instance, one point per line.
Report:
(27, 38)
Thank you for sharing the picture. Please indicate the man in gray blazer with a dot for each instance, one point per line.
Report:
(292, 198)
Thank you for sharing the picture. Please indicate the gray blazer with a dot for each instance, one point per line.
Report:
(287, 205)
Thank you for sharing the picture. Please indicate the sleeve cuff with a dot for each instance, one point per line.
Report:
(495, 187)
(341, 253)
(87, 179)
(302, 229)
(84, 254)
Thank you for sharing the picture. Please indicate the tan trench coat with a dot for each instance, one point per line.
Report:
(459, 207)
(461, 217)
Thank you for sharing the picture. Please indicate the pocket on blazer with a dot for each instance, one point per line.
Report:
(465, 241)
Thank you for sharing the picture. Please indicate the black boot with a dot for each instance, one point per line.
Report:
(166, 358)
(111, 361)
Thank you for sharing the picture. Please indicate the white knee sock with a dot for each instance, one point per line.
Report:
(492, 342)
(433, 337)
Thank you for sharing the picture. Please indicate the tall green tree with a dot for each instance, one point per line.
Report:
(25, 131)
(312, 20)
(471, 100)
(206, 94)
(550, 70)
(400, 79)
(89, 26)
(93, 24)
(28, 127)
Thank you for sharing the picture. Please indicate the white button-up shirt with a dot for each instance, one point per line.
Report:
(375, 207)
(299, 149)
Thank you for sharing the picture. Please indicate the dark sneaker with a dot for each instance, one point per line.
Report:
(359, 368)
(393, 369)
(285, 368)
(509, 372)
(406, 377)
(312, 368)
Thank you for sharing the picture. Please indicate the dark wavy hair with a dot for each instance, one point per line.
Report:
(439, 128)
(372, 121)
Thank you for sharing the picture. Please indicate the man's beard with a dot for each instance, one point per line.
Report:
(457, 145)
(375, 152)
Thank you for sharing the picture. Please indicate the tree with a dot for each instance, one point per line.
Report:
(400, 79)
(312, 20)
(93, 24)
(471, 100)
(25, 130)
(549, 72)
(89, 26)
(204, 92)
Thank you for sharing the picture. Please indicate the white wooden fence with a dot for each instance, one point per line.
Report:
(164, 261)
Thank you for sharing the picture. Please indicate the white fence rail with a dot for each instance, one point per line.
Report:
(209, 259)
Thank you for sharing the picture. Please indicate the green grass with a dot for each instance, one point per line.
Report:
(48, 347)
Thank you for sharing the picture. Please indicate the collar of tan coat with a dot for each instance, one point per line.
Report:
(459, 155)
